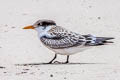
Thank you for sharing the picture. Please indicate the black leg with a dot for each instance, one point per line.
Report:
(53, 59)
(67, 59)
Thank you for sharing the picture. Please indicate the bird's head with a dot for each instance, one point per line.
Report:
(42, 25)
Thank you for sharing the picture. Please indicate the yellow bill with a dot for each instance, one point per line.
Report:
(29, 27)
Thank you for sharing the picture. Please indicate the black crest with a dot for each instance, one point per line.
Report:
(46, 23)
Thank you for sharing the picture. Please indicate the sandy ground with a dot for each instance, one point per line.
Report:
(18, 46)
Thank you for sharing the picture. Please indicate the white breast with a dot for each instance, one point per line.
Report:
(69, 51)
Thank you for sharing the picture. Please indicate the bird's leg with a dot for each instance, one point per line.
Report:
(67, 59)
(53, 59)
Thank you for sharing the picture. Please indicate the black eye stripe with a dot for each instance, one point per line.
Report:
(38, 24)
(45, 23)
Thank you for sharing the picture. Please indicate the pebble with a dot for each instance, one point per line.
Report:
(51, 75)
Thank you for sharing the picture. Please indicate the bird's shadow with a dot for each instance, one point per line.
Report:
(33, 64)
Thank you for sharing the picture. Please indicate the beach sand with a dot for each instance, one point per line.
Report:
(22, 55)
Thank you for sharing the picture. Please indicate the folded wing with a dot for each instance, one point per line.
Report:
(63, 39)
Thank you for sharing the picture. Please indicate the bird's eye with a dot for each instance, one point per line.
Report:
(38, 24)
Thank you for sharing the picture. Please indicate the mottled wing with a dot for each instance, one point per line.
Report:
(62, 39)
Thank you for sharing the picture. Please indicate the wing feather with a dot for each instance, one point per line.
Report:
(62, 38)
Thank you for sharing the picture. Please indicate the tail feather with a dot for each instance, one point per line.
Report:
(94, 41)
(104, 39)
(108, 42)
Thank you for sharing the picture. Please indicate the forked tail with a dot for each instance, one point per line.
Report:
(94, 41)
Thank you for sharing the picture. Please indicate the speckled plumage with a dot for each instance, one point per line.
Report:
(63, 38)
(62, 41)
(67, 39)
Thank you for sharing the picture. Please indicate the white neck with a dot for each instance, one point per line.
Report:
(44, 32)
